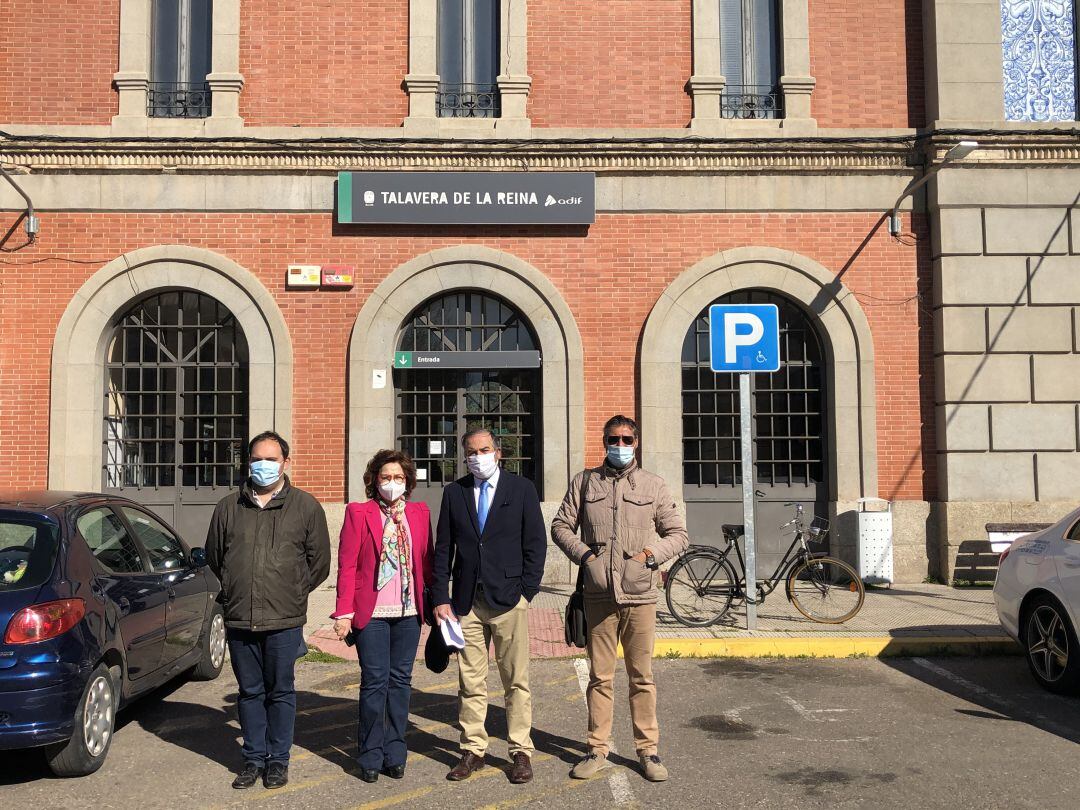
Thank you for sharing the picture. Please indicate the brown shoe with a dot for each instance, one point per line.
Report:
(522, 770)
(470, 763)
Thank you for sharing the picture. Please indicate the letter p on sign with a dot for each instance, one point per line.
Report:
(744, 337)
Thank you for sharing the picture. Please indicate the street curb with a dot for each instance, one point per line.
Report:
(840, 647)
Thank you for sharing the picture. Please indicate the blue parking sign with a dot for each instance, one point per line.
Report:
(744, 337)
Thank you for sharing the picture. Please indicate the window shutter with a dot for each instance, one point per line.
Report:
(731, 41)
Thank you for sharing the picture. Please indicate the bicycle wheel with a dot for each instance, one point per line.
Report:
(699, 589)
(825, 590)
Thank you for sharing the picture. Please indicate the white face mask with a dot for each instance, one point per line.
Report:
(620, 456)
(391, 490)
(482, 466)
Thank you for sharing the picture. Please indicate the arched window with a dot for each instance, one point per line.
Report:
(788, 423)
(465, 360)
(176, 403)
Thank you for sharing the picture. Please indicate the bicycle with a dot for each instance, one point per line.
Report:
(702, 584)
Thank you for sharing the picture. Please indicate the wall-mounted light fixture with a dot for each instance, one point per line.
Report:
(32, 224)
(957, 152)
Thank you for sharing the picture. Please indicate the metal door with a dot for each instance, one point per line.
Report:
(436, 406)
(176, 401)
(788, 428)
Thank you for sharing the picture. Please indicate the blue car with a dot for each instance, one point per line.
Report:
(100, 602)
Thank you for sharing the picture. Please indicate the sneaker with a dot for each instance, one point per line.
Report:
(590, 766)
(653, 768)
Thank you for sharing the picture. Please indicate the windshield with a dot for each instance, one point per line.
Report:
(27, 550)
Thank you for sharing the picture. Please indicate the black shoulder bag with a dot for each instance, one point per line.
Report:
(574, 627)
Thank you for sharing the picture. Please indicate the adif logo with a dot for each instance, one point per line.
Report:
(369, 198)
(565, 201)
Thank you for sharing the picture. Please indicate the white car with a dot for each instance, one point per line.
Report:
(1037, 594)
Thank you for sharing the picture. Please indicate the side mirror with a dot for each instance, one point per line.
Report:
(198, 557)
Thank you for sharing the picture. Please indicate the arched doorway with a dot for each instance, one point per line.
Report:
(175, 409)
(789, 430)
(466, 359)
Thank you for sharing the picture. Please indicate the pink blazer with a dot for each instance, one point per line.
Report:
(359, 552)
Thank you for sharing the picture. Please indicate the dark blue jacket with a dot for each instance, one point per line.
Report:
(508, 558)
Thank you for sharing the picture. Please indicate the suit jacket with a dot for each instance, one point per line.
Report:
(508, 557)
(359, 552)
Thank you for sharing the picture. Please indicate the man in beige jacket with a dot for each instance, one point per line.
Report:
(624, 530)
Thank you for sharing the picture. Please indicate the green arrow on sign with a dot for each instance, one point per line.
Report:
(402, 359)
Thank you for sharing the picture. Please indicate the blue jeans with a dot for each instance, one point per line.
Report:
(263, 663)
(386, 649)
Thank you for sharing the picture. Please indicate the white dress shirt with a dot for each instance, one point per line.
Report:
(493, 481)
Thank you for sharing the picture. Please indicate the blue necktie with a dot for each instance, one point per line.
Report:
(482, 507)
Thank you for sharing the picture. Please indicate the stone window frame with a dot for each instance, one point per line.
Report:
(371, 421)
(706, 85)
(78, 354)
(133, 77)
(847, 344)
(422, 81)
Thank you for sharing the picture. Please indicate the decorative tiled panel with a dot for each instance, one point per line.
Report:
(1039, 59)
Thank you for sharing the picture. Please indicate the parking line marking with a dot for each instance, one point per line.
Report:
(559, 789)
(390, 801)
(992, 697)
(293, 788)
(620, 785)
(812, 715)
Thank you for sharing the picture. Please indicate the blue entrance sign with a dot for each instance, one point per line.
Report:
(744, 337)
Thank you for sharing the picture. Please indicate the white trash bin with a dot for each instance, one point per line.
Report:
(875, 541)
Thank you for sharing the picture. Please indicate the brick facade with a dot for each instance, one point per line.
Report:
(41, 42)
(610, 277)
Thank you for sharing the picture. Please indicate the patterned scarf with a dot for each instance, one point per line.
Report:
(396, 550)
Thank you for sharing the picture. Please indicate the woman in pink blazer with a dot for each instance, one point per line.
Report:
(384, 563)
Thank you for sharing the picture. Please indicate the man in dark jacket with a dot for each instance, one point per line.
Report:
(269, 545)
(491, 538)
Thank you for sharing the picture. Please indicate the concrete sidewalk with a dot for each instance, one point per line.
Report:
(902, 620)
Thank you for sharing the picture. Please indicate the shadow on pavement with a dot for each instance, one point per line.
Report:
(1016, 699)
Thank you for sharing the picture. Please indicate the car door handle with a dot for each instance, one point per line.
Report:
(124, 604)
(172, 592)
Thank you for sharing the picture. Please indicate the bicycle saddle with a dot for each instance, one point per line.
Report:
(732, 531)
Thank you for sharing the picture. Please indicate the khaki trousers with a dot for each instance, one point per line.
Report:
(634, 626)
(510, 632)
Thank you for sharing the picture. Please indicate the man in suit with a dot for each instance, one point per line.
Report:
(491, 538)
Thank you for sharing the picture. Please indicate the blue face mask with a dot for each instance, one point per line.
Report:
(264, 473)
(619, 456)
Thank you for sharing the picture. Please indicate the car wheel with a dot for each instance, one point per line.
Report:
(1050, 646)
(213, 648)
(95, 718)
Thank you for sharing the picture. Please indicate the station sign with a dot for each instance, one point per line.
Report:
(466, 198)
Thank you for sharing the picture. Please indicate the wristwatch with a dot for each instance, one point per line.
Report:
(650, 560)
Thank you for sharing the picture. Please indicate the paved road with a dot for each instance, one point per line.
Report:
(945, 732)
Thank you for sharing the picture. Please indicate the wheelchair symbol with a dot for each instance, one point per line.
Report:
(761, 358)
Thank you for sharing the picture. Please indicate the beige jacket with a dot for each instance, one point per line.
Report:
(623, 513)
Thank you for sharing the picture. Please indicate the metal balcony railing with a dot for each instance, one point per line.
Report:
(751, 101)
(178, 100)
(468, 101)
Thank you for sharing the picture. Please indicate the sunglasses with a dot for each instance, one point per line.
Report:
(614, 440)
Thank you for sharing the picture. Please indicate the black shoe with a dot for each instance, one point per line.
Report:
(369, 774)
(395, 771)
(247, 777)
(276, 776)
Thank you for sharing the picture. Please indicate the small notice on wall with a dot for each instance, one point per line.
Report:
(435, 448)
(421, 474)
(378, 378)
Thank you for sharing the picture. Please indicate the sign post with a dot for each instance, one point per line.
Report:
(744, 339)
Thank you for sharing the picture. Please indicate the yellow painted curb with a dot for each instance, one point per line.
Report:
(838, 647)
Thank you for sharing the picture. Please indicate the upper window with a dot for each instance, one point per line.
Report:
(468, 58)
(750, 58)
(1039, 59)
(180, 59)
(109, 541)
